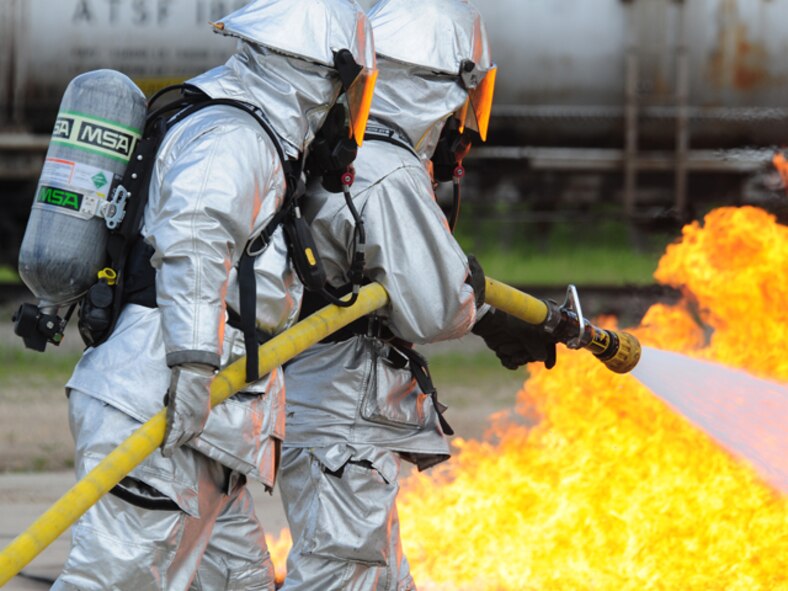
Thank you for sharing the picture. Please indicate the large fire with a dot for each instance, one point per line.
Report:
(592, 482)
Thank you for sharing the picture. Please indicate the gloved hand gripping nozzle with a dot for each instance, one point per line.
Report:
(618, 350)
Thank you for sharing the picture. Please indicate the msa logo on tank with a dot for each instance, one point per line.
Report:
(60, 197)
(96, 135)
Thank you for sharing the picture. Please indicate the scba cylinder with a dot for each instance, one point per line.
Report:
(100, 121)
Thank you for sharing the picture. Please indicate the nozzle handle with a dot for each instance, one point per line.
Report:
(618, 350)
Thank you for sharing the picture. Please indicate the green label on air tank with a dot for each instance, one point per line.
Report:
(93, 134)
(60, 197)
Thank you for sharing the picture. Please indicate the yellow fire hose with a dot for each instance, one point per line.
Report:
(113, 468)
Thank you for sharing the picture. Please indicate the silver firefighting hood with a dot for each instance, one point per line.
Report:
(421, 46)
(285, 61)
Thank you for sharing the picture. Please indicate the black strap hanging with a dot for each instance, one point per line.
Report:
(419, 368)
(248, 304)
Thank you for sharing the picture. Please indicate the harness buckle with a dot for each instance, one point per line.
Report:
(252, 249)
(115, 209)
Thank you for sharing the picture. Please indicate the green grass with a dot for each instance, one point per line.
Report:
(584, 267)
(475, 370)
(8, 274)
(22, 366)
(598, 251)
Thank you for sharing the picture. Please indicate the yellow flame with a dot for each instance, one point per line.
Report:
(593, 483)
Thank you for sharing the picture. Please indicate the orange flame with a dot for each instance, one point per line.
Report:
(593, 483)
(781, 164)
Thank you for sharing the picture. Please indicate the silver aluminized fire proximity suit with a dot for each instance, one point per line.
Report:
(354, 409)
(187, 520)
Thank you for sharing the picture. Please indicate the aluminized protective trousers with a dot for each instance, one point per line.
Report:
(160, 546)
(334, 548)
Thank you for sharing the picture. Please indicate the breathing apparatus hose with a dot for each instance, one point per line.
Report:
(619, 351)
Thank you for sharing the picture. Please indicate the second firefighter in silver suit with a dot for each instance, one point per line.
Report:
(354, 409)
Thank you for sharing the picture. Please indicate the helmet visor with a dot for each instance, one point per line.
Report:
(475, 114)
(359, 100)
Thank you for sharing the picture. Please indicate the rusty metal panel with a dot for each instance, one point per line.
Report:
(572, 52)
(7, 12)
(738, 54)
(561, 53)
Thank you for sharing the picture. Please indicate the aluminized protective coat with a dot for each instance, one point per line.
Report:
(216, 182)
(347, 393)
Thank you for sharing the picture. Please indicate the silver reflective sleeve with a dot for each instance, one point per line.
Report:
(206, 194)
(410, 249)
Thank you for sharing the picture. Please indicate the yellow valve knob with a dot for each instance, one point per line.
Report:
(109, 275)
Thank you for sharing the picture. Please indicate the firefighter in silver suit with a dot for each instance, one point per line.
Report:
(358, 403)
(184, 517)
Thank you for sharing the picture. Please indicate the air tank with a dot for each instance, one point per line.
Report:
(100, 120)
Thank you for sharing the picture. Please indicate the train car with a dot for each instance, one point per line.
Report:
(636, 98)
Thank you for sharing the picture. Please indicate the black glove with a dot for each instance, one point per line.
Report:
(476, 280)
(515, 342)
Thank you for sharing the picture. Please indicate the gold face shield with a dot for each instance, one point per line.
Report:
(480, 85)
(359, 102)
(358, 85)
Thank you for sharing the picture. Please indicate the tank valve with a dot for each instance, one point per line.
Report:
(37, 327)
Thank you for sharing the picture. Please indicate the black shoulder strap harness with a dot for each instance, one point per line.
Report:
(386, 132)
(129, 255)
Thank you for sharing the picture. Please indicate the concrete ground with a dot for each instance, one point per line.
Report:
(24, 497)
